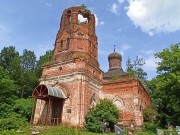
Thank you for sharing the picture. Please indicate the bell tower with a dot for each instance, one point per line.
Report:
(74, 67)
(76, 37)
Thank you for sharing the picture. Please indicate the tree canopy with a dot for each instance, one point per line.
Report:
(19, 75)
(166, 86)
(135, 68)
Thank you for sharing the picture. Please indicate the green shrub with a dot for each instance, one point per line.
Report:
(14, 121)
(23, 107)
(150, 127)
(23, 131)
(105, 110)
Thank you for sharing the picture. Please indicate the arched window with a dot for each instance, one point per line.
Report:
(118, 102)
(140, 108)
(67, 43)
(113, 64)
(93, 101)
(69, 16)
(61, 46)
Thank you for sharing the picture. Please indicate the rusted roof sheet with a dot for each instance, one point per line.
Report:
(43, 91)
(56, 92)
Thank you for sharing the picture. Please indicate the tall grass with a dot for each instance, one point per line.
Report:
(64, 130)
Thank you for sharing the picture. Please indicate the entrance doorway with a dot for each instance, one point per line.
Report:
(57, 107)
(49, 105)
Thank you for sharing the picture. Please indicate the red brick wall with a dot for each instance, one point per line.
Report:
(129, 92)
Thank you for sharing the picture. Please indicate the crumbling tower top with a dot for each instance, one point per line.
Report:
(76, 36)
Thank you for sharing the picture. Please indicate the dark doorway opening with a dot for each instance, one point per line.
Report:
(57, 107)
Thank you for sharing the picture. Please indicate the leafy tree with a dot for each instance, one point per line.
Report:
(150, 115)
(10, 60)
(7, 87)
(28, 60)
(7, 55)
(105, 110)
(17, 79)
(45, 59)
(134, 68)
(27, 78)
(166, 86)
(27, 81)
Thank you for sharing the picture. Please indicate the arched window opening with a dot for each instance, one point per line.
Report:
(82, 19)
(61, 46)
(118, 104)
(113, 64)
(93, 101)
(67, 43)
(69, 16)
(140, 108)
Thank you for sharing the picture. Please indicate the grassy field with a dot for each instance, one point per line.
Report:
(55, 130)
(63, 130)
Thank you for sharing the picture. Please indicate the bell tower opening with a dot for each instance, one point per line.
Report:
(69, 16)
(67, 43)
(82, 19)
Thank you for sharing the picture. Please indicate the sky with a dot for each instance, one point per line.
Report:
(137, 27)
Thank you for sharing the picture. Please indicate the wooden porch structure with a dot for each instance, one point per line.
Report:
(47, 110)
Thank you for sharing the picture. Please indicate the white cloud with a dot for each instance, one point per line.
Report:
(114, 8)
(150, 63)
(96, 19)
(121, 1)
(97, 22)
(151, 34)
(81, 18)
(154, 16)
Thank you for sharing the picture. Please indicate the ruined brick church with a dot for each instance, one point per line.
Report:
(73, 83)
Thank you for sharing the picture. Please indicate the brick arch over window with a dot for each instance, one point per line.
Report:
(118, 102)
